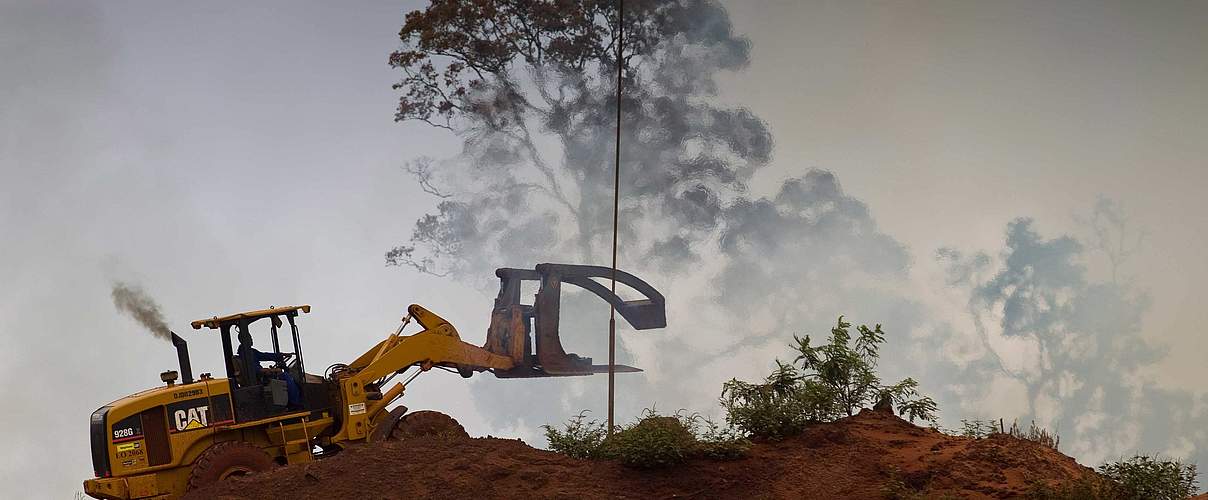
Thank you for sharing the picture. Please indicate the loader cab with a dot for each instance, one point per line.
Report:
(261, 389)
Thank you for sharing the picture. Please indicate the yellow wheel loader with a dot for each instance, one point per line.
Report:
(165, 441)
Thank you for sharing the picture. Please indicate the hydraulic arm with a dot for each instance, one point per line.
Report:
(509, 349)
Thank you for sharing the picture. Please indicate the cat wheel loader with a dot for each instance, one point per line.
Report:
(162, 442)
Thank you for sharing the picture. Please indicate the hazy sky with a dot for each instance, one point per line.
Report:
(234, 156)
(950, 118)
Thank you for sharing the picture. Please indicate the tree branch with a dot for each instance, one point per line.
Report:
(420, 168)
(554, 186)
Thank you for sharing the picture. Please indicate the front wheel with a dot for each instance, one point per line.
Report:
(228, 459)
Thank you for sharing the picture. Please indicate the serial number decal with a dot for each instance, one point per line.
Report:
(186, 394)
(356, 408)
(130, 453)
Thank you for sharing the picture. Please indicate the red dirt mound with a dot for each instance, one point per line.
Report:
(857, 457)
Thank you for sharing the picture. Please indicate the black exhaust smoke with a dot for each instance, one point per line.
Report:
(134, 301)
(182, 354)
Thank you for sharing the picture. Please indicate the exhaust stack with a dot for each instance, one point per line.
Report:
(182, 354)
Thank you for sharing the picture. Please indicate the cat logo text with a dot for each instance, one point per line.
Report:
(191, 418)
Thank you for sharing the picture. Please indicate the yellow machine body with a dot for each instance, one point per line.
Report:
(162, 442)
(153, 437)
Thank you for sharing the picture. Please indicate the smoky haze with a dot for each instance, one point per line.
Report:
(930, 159)
(134, 302)
(749, 256)
(538, 190)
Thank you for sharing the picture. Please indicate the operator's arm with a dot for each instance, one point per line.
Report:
(268, 356)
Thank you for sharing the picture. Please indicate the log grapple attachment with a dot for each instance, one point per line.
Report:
(512, 322)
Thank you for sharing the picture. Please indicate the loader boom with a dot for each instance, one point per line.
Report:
(438, 344)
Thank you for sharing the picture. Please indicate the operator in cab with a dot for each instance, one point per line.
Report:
(251, 358)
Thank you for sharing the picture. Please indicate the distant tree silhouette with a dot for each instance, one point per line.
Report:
(529, 87)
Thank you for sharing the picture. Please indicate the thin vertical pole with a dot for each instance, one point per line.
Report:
(616, 203)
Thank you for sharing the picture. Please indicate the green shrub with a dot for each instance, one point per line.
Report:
(580, 438)
(1035, 434)
(978, 429)
(717, 442)
(910, 404)
(779, 407)
(652, 441)
(1090, 488)
(834, 380)
(1138, 478)
(1152, 478)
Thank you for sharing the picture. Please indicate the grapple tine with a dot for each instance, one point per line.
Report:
(510, 320)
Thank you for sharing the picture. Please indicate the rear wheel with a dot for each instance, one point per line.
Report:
(228, 459)
(427, 423)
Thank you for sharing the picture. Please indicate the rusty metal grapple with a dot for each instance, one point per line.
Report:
(542, 354)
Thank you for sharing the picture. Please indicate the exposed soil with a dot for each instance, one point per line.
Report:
(857, 457)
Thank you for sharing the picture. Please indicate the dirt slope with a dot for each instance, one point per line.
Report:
(852, 458)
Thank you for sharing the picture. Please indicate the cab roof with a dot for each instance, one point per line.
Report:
(215, 322)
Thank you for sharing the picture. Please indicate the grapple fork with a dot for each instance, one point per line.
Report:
(512, 322)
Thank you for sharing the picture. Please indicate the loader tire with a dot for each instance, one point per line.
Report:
(228, 459)
(428, 423)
